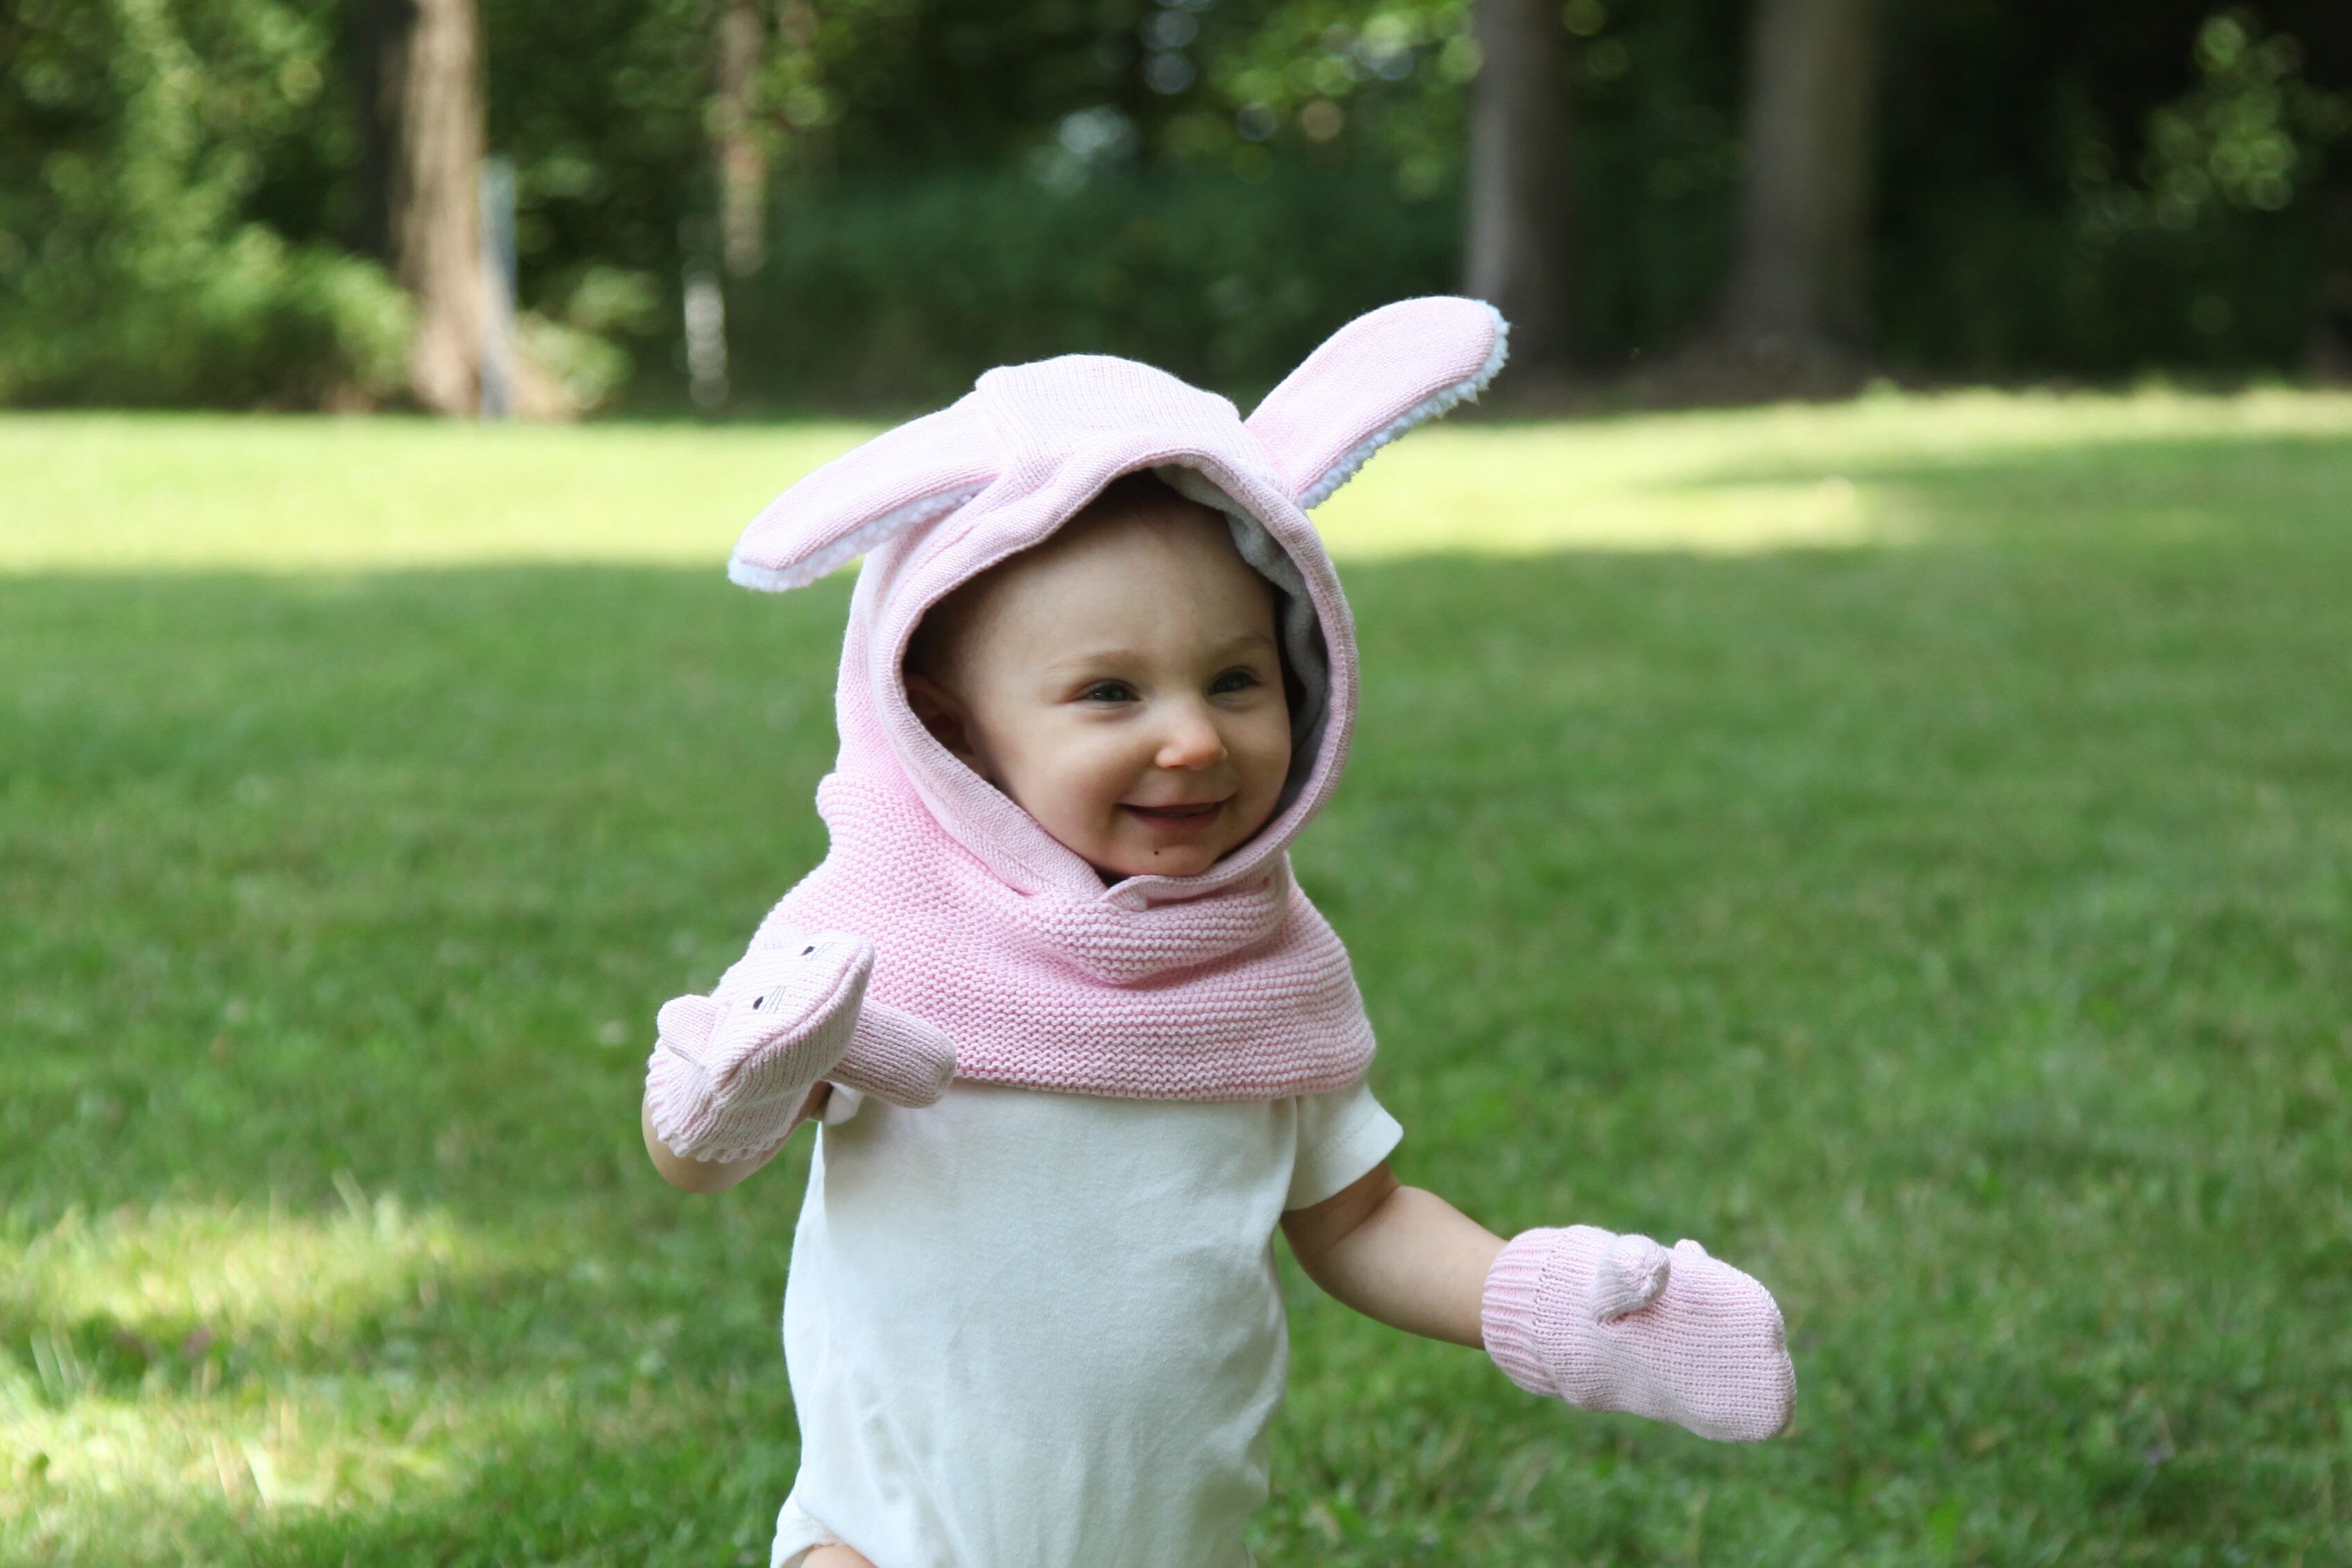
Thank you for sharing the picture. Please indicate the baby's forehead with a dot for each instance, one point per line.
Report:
(1103, 567)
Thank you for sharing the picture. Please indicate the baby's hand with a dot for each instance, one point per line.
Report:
(731, 1071)
(1617, 1323)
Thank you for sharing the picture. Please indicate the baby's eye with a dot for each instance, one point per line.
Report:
(1232, 681)
(1108, 692)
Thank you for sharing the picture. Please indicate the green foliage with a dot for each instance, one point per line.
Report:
(2247, 135)
(134, 136)
(1954, 932)
(600, 105)
(1383, 83)
(2031, 217)
(2206, 233)
(908, 289)
(2089, 188)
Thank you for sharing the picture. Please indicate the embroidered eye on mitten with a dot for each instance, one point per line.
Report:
(1617, 1323)
(731, 1071)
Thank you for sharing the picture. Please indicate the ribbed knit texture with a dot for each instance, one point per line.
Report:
(1708, 1353)
(1227, 985)
(895, 1057)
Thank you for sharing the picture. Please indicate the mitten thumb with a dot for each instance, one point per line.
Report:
(685, 1024)
(1631, 1273)
(896, 1056)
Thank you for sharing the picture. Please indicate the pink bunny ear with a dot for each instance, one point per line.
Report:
(902, 478)
(1370, 381)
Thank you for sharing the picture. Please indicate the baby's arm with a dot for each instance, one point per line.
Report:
(716, 1176)
(1397, 1254)
(835, 1557)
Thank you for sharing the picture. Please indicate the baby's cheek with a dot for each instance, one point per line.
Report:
(1266, 763)
(1079, 786)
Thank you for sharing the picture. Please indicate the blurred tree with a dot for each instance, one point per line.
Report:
(1798, 296)
(436, 211)
(161, 191)
(735, 131)
(2081, 187)
(1520, 231)
(376, 46)
(2037, 168)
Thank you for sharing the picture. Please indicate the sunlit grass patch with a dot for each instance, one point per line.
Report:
(305, 1466)
(176, 1280)
(333, 1443)
(149, 491)
(184, 1359)
(180, 1378)
(1877, 471)
(173, 492)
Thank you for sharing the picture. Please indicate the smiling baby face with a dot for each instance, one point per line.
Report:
(1121, 682)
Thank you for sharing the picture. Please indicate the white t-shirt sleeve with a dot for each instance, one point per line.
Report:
(1343, 1135)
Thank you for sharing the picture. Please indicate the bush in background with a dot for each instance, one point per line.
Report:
(243, 321)
(901, 291)
(2090, 188)
(136, 140)
(2210, 234)
(2099, 188)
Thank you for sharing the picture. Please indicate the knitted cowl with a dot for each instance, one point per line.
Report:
(1224, 985)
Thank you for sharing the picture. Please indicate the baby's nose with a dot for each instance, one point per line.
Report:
(1193, 742)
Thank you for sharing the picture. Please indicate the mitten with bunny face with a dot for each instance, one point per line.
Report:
(1617, 1323)
(732, 1071)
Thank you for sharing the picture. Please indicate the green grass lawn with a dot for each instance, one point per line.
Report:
(1906, 846)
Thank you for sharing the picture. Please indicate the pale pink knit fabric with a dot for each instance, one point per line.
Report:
(730, 1072)
(1617, 1323)
(1227, 985)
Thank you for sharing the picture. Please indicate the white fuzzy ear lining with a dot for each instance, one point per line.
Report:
(1374, 380)
(901, 480)
(1428, 408)
(822, 562)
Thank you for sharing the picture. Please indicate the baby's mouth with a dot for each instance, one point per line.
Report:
(1178, 815)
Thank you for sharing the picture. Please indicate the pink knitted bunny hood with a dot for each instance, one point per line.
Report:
(1226, 985)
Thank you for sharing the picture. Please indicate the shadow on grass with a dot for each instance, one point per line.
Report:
(1955, 936)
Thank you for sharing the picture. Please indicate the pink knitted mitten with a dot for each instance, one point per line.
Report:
(1617, 1323)
(731, 1071)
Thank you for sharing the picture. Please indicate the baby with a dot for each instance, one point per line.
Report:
(1078, 1042)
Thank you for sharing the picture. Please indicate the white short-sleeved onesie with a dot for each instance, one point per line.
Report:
(1045, 1330)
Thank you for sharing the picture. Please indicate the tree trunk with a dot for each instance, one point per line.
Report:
(1799, 279)
(742, 162)
(377, 46)
(1520, 224)
(436, 213)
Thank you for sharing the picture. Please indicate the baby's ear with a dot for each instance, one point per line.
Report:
(939, 711)
(902, 478)
(1370, 381)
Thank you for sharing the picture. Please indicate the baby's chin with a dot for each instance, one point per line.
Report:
(1186, 862)
(1125, 857)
